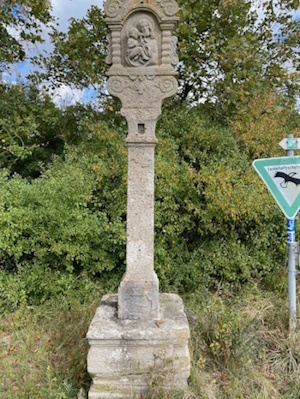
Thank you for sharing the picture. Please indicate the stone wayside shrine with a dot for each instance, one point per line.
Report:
(139, 332)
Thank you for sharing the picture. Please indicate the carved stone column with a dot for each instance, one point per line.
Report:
(138, 292)
(142, 77)
(138, 329)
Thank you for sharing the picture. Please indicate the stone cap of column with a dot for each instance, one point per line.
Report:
(117, 10)
(142, 52)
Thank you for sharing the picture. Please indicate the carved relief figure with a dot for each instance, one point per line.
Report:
(136, 49)
(141, 45)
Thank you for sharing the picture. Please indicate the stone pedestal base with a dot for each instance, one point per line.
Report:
(125, 355)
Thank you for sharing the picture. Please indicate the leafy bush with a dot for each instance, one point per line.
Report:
(62, 222)
(214, 219)
(31, 129)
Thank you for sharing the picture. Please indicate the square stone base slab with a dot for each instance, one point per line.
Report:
(126, 355)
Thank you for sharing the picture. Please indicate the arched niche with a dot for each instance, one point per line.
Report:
(141, 40)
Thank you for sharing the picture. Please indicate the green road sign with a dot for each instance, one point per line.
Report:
(290, 144)
(282, 177)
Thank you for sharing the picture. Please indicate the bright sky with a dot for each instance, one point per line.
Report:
(66, 9)
(62, 10)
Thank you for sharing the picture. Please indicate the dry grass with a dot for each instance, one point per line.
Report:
(250, 334)
(44, 350)
(240, 348)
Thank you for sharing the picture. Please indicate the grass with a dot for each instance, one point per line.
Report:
(43, 350)
(240, 347)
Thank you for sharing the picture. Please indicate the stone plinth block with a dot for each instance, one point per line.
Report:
(138, 300)
(125, 355)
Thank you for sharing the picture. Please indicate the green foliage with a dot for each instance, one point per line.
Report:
(214, 218)
(231, 51)
(69, 220)
(26, 17)
(79, 56)
(31, 130)
(260, 128)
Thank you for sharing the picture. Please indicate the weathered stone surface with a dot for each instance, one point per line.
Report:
(139, 333)
(117, 10)
(125, 354)
(142, 52)
(143, 89)
(138, 292)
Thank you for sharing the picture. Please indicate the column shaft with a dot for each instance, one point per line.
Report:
(138, 291)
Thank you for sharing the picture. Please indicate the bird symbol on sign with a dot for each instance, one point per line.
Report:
(287, 179)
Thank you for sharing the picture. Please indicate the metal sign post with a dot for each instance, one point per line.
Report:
(282, 178)
(292, 245)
